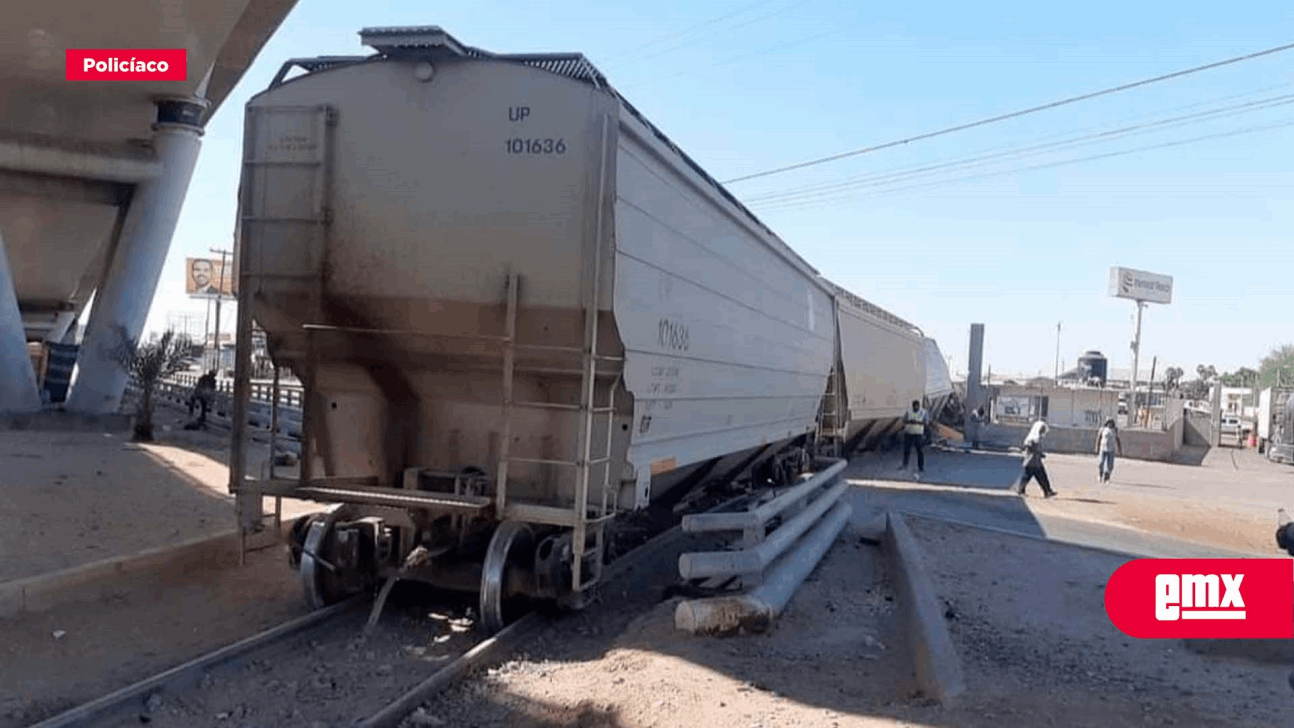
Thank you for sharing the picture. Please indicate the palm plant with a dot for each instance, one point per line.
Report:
(148, 364)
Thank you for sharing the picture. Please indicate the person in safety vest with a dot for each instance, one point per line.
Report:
(914, 433)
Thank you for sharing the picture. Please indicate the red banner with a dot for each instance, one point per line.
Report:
(147, 64)
(1203, 598)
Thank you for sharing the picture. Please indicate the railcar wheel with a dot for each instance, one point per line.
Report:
(321, 580)
(512, 546)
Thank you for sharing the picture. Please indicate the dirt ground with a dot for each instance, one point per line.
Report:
(1209, 523)
(53, 660)
(329, 675)
(1043, 655)
(72, 498)
(835, 651)
(1030, 615)
(836, 658)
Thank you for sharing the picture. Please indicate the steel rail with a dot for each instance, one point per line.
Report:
(119, 704)
(96, 712)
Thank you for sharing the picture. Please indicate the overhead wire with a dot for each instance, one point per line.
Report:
(699, 26)
(695, 72)
(1014, 114)
(729, 29)
(1013, 154)
(1049, 165)
(1064, 137)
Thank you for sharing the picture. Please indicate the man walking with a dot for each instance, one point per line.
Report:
(1033, 468)
(1106, 440)
(203, 393)
(914, 431)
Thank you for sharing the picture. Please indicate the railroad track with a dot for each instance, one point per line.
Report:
(322, 670)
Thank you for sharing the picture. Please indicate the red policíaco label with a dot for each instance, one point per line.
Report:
(1203, 598)
(146, 64)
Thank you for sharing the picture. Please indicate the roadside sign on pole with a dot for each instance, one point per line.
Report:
(1139, 285)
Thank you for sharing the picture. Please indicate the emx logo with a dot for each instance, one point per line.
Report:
(1203, 598)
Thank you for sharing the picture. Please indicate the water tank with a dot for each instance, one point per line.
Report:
(1094, 366)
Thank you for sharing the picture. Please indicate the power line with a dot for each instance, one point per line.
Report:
(1024, 152)
(765, 53)
(729, 29)
(1039, 142)
(699, 72)
(712, 21)
(1014, 114)
(1248, 130)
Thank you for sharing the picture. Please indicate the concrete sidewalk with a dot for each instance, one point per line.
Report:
(83, 507)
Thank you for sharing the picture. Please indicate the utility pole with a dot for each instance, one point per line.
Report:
(206, 328)
(1136, 350)
(219, 294)
(1057, 377)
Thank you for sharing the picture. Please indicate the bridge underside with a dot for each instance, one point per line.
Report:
(93, 175)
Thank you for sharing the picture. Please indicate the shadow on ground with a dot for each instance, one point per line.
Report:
(838, 651)
(951, 467)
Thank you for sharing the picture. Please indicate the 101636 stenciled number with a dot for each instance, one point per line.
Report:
(535, 146)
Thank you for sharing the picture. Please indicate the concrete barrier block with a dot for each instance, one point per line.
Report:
(874, 530)
(938, 666)
(11, 599)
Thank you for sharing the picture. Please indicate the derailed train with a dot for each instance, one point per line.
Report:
(518, 310)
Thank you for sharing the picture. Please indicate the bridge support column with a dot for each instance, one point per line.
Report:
(18, 391)
(126, 292)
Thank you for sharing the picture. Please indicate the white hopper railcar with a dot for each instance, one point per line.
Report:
(517, 310)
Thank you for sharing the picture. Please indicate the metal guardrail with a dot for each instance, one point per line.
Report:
(176, 393)
(778, 562)
(262, 390)
(760, 548)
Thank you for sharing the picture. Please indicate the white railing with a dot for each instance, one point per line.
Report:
(177, 392)
(262, 390)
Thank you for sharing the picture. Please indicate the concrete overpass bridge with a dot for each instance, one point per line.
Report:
(93, 174)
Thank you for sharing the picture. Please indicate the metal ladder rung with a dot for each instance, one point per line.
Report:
(541, 461)
(315, 220)
(567, 349)
(400, 332)
(545, 405)
(560, 406)
(282, 163)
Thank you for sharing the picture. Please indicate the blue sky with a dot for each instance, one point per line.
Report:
(745, 86)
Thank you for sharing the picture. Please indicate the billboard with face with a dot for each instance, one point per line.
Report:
(209, 277)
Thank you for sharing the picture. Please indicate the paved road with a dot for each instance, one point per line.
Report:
(1009, 513)
(973, 488)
